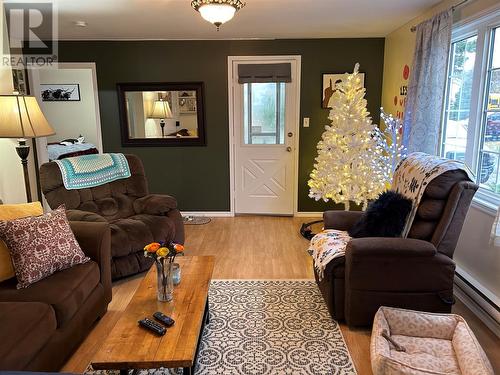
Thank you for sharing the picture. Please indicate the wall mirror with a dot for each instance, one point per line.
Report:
(162, 114)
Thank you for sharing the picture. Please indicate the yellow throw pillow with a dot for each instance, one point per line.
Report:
(12, 212)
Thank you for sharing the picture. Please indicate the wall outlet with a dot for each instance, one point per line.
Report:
(306, 122)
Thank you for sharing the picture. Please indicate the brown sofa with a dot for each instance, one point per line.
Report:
(414, 273)
(43, 324)
(136, 217)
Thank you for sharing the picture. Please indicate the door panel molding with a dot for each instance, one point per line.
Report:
(276, 180)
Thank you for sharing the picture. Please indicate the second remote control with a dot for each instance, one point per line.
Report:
(153, 326)
(162, 318)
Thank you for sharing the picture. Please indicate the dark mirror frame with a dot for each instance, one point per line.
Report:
(159, 86)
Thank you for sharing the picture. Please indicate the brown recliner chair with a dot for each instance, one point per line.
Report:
(413, 273)
(136, 217)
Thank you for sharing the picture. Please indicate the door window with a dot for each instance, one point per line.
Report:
(264, 113)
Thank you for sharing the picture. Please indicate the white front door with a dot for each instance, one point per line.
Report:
(265, 125)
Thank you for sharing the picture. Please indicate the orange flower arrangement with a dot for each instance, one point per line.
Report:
(162, 250)
(164, 254)
(152, 247)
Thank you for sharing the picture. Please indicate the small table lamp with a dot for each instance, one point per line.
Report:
(161, 110)
(21, 117)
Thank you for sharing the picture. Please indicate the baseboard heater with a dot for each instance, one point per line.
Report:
(482, 306)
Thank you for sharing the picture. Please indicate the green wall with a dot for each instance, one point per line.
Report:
(199, 176)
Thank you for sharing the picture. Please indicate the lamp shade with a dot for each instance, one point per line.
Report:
(161, 109)
(21, 117)
(217, 13)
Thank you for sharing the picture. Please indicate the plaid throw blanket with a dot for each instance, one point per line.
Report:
(414, 173)
(88, 171)
(326, 246)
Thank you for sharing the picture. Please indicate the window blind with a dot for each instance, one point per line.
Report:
(261, 73)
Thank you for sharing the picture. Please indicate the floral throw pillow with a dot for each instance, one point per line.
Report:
(41, 245)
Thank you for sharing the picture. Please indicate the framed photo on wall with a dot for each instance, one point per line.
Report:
(60, 92)
(187, 102)
(329, 81)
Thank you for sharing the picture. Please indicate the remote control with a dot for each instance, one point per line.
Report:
(153, 326)
(162, 318)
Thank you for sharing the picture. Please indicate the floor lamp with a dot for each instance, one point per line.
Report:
(21, 118)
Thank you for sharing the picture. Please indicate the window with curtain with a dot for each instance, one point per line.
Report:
(471, 119)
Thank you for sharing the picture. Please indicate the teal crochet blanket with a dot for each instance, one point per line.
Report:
(88, 171)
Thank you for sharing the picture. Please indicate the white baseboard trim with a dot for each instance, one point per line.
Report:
(230, 214)
(308, 214)
(208, 213)
(487, 313)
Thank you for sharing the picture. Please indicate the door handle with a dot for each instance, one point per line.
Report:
(289, 149)
(290, 134)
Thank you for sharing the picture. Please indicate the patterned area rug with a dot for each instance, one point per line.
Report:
(261, 327)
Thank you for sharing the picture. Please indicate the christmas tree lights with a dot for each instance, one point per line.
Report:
(355, 158)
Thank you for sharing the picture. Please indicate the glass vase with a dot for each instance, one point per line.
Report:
(164, 278)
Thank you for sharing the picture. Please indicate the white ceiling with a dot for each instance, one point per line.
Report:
(175, 19)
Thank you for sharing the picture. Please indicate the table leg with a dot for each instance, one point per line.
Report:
(128, 372)
(207, 314)
(206, 320)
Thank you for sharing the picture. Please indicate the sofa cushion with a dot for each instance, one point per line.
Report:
(65, 290)
(431, 209)
(25, 328)
(41, 245)
(132, 234)
(422, 229)
(440, 187)
(11, 212)
(122, 192)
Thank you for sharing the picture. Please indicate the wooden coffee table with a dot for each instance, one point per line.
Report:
(130, 347)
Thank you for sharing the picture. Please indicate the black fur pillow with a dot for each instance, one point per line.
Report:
(384, 217)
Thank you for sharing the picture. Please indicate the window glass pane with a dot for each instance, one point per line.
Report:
(488, 176)
(496, 46)
(264, 107)
(463, 55)
(490, 145)
(264, 139)
(264, 113)
(492, 132)
(494, 90)
(282, 113)
(245, 113)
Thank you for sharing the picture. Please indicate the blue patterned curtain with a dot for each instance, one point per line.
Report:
(425, 100)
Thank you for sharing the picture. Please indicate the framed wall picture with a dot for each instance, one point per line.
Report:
(329, 81)
(60, 92)
(187, 102)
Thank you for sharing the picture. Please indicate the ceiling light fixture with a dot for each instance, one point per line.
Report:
(80, 23)
(217, 11)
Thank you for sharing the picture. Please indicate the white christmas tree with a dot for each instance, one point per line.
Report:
(351, 165)
(390, 140)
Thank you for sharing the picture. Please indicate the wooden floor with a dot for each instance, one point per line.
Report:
(256, 247)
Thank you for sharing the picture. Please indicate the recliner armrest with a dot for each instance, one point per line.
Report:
(95, 240)
(340, 220)
(393, 265)
(155, 204)
(381, 247)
